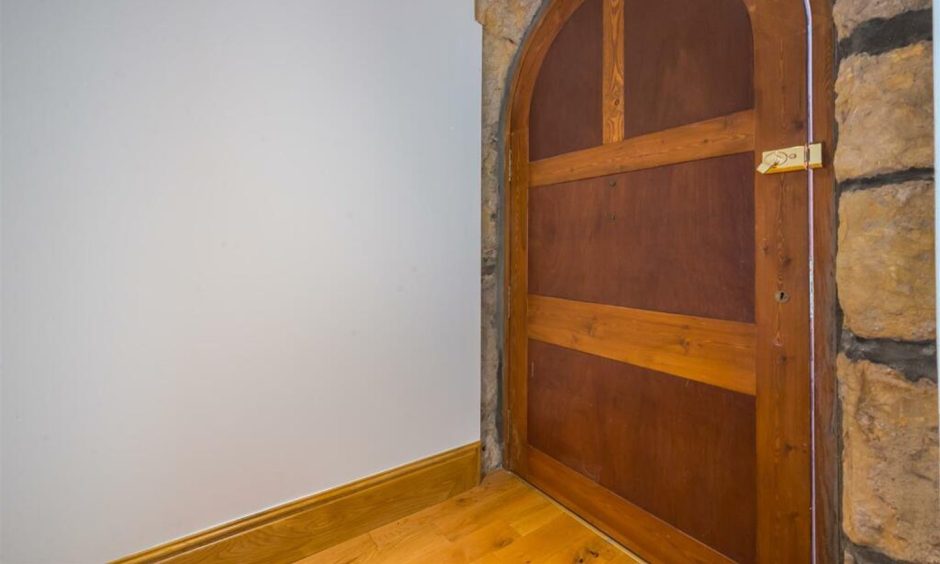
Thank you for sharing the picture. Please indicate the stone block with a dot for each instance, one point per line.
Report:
(885, 263)
(884, 109)
(890, 461)
(849, 13)
(504, 25)
(508, 19)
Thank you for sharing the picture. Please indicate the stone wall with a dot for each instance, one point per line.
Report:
(885, 275)
(505, 23)
(885, 269)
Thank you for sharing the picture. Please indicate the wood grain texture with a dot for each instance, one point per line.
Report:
(502, 520)
(678, 239)
(784, 486)
(715, 137)
(303, 527)
(532, 54)
(680, 450)
(516, 387)
(613, 93)
(650, 538)
(712, 351)
(779, 36)
(826, 417)
(566, 112)
(686, 62)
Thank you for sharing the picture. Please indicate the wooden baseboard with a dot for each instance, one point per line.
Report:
(292, 531)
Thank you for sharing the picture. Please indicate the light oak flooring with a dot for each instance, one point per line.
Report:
(502, 520)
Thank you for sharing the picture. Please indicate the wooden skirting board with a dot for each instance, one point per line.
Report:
(300, 528)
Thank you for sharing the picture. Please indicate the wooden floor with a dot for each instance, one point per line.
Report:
(502, 520)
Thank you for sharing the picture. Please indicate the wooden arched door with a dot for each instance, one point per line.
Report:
(659, 328)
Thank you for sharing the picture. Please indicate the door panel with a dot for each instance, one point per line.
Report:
(677, 238)
(658, 343)
(700, 53)
(566, 102)
(683, 451)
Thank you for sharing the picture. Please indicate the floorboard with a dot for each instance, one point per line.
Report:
(503, 520)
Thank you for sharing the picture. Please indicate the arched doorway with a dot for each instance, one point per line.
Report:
(662, 356)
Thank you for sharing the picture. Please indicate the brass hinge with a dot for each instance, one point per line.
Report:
(801, 157)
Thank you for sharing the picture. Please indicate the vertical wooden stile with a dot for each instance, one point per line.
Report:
(614, 97)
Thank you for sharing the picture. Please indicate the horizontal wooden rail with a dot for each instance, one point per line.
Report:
(712, 351)
(716, 137)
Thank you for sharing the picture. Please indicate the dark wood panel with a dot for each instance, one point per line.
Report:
(649, 537)
(678, 239)
(681, 450)
(566, 110)
(712, 351)
(716, 137)
(686, 62)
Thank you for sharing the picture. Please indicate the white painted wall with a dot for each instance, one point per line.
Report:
(240, 257)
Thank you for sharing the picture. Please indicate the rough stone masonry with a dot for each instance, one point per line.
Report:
(885, 277)
(885, 269)
(504, 26)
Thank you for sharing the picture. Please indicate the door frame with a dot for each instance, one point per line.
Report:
(794, 446)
